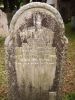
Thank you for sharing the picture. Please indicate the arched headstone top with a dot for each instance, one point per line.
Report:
(37, 5)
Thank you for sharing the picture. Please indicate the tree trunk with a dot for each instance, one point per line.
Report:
(5, 2)
(26, 1)
(39, 1)
(73, 14)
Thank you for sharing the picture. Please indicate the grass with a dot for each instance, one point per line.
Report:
(70, 73)
(71, 46)
(69, 32)
(70, 96)
(2, 41)
(3, 80)
(70, 57)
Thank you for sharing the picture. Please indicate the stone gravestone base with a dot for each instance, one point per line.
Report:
(52, 95)
(35, 53)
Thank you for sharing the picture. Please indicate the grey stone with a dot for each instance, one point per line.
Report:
(52, 95)
(35, 52)
(3, 24)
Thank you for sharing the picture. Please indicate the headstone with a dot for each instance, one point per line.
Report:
(53, 3)
(3, 24)
(34, 52)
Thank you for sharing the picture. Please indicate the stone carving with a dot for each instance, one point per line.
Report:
(3, 24)
(35, 52)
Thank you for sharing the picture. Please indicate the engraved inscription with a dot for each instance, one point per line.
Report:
(36, 59)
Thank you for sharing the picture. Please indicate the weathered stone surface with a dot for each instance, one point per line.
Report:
(35, 52)
(52, 95)
(3, 24)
